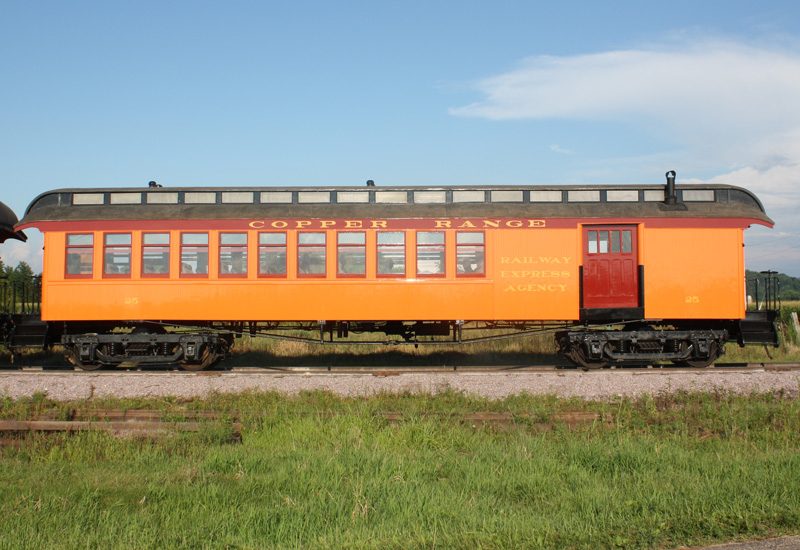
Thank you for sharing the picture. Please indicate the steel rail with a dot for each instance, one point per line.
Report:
(718, 368)
(153, 421)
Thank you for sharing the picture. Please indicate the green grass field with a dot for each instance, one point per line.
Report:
(318, 471)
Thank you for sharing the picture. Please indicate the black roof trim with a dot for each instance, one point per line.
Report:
(701, 200)
(7, 222)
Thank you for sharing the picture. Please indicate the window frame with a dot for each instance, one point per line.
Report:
(443, 247)
(146, 246)
(68, 247)
(324, 246)
(107, 246)
(482, 246)
(245, 246)
(345, 246)
(182, 246)
(284, 246)
(623, 246)
(401, 246)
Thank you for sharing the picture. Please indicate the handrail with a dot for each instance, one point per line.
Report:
(770, 298)
(20, 297)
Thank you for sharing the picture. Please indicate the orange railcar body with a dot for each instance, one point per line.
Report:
(530, 274)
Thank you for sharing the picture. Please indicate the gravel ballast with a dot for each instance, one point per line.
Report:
(600, 385)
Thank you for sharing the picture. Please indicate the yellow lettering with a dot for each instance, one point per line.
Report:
(378, 224)
(514, 223)
(302, 223)
(279, 224)
(536, 223)
(442, 223)
(324, 224)
(467, 224)
(504, 259)
(258, 224)
(491, 223)
(353, 224)
(536, 288)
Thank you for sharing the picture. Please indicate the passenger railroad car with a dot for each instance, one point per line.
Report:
(628, 273)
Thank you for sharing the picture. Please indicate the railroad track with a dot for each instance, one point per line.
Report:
(159, 421)
(718, 368)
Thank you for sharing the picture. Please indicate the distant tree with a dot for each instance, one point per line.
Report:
(790, 295)
(21, 275)
(25, 272)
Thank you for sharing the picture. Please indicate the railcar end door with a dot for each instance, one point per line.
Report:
(610, 267)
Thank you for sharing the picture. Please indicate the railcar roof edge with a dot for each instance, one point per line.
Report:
(729, 202)
(7, 222)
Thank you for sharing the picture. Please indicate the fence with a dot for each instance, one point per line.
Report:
(20, 297)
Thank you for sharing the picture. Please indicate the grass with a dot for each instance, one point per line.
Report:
(671, 470)
(515, 351)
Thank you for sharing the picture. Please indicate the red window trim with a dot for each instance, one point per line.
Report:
(324, 246)
(130, 256)
(609, 228)
(67, 248)
(246, 246)
(167, 246)
(402, 247)
(340, 275)
(441, 275)
(285, 247)
(181, 246)
(482, 245)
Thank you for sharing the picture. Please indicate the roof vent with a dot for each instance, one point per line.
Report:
(370, 183)
(153, 184)
(670, 197)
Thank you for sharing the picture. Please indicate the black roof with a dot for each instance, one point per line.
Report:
(7, 222)
(593, 201)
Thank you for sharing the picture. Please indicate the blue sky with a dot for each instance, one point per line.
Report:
(406, 93)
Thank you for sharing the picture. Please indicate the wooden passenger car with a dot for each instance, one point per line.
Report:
(407, 261)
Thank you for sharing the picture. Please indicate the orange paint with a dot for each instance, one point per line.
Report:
(531, 273)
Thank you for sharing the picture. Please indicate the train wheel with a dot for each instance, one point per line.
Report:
(713, 355)
(73, 356)
(206, 361)
(578, 356)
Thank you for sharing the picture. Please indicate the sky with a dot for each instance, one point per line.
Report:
(195, 93)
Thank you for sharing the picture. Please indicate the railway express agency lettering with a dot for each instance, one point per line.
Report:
(538, 273)
(398, 224)
(536, 288)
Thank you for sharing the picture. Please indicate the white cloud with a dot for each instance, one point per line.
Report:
(558, 149)
(707, 91)
(12, 252)
(718, 79)
(725, 107)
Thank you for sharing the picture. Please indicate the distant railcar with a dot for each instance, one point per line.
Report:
(12, 299)
(618, 273)
(7, 222)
